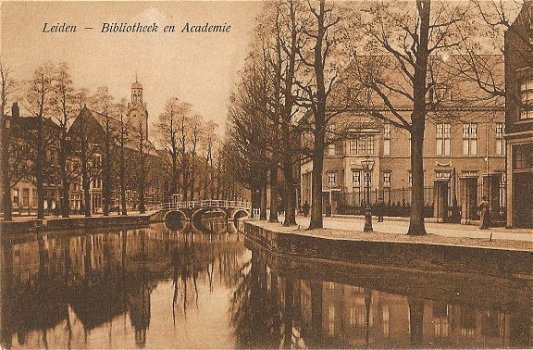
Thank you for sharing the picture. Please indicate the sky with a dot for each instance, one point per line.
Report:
(198, 68)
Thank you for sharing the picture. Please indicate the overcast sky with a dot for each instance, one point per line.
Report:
(199, 68)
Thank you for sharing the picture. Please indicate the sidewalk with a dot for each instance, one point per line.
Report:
(356, 223)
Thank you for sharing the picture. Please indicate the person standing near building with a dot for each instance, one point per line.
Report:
(380, 208)
(484, 214)
(305, 208)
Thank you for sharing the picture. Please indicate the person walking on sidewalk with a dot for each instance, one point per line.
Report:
(484, 214)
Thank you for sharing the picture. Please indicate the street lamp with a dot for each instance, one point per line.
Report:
(367, 165)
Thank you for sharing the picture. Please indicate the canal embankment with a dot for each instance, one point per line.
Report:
(74, 223)
(427, 253)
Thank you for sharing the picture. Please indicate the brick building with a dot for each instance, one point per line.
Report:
(24, 191)
(519, 118)
(464, 142)
(92, 125)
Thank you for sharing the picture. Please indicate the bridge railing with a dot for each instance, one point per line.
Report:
(207, 203)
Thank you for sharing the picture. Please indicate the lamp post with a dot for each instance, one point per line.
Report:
(367, 165)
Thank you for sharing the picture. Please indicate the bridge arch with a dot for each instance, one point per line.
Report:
(197, 214)
(240, 213)
(175, 219)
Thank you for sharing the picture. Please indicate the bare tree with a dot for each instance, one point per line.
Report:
(317, 83)
(183, 118)
(121, 109)
(102, 102)
(65, 109)
(401, 39)
(86, 149)
(168, 129)
(195, 127)
(38, 99)
(209, 141)
(9, 169)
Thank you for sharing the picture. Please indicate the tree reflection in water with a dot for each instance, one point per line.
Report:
(70, 290)
(59, 289)
(323, 305)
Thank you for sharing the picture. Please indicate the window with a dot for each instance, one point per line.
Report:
(500, 143)
(523, 156)
(526, 97)
(16, 197)
(356, 178)
(386, 179)
(470, 139)
(331, 149)
(503, 193)
(330, 131)
(353, 147)
(332, 179)
(25, 197)
(369, 145)
(331, 320)
(386, 139)
(443, 139)
(386, 323)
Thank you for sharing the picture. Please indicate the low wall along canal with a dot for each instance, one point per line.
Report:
(426, 256)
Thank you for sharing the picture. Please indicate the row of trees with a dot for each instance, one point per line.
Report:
(71, 135)
(313, 60)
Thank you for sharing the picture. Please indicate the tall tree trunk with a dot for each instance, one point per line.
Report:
(416, 223)
(122, 175)
(418, 119)
(290, 196)
(273, 217)
(316, 187)
(39, 165)
(86, 181)
(142, 177)
(65, 183)
(263, 214)
(107, 169)
(6, 180)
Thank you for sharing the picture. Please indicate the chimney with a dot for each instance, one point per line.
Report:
(15, 113)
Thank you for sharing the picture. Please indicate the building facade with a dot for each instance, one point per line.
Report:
(457, 153)
(464, 154)
(89, 124)
(519, 118)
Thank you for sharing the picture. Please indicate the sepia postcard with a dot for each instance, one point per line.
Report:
(266, 174)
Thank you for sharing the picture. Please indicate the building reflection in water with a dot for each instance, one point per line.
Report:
(163, 288)
(67, 290)
(275, 305)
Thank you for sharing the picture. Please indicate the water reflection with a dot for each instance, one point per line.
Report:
(297, 303)
(158, 287)
(109, 289)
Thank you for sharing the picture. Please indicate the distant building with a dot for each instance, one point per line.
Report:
(24, 191)
(519, 118)
(137, 113)
(93, 125)
(463, 145)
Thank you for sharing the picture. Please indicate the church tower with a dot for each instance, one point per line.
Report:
(137, 113)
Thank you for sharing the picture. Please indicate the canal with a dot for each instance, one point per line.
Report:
(160, 287)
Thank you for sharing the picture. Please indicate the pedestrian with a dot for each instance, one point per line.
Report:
(380, 208)
(306, 208)
(484, 214)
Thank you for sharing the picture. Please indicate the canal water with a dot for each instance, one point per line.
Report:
(209, 287)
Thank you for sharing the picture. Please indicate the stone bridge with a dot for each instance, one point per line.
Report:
(193, 210)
